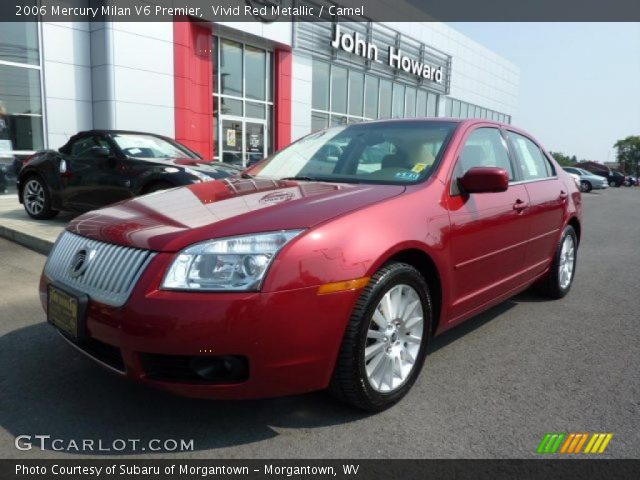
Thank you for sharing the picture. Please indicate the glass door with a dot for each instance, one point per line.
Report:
(242, 141)
(254, 142)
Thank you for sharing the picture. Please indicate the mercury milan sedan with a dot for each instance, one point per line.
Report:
(315, 271)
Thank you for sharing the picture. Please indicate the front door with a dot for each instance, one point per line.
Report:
(242, 140)
(489, 231)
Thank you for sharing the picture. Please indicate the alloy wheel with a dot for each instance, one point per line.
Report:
(394, 338)
(33, 197)
(567, 261)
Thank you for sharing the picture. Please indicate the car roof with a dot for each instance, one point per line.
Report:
(87, 133)
(459, 121)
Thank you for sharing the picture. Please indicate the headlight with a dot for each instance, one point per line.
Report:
(229, 264)
(199, 175)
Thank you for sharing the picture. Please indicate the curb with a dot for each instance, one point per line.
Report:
(37, 244)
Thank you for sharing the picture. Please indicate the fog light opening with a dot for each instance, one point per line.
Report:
(219, 368)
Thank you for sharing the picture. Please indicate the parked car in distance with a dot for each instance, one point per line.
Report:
(298, 277)
(614, 178)
(588, 181)
(100, 167)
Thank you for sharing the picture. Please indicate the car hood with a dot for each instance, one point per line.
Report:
(172, 219)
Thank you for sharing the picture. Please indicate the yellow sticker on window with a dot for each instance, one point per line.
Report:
(418, 167)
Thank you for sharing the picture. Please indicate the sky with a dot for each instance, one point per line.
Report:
(579, 82)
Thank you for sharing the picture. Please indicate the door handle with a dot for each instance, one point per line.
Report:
(520, 205)
(563, 194)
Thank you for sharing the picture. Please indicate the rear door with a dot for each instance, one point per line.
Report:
(489, 231)
(547, 197)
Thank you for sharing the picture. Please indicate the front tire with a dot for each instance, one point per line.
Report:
(385, 343)
(36, 199)
(585, 186)
(558, 281)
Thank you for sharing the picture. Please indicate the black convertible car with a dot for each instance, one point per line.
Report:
(100, 167)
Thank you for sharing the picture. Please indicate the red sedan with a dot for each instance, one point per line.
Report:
(330, 264)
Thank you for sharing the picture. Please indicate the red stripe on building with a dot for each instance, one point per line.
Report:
(283, 64)
(193, 85)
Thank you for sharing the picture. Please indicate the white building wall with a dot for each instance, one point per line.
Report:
(278, 32)
(66, 61)
(133, 76)
(301, 95)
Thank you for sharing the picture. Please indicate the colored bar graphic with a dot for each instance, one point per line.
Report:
(550, 443)
(543, 443)
(572, 443)
(598, 443)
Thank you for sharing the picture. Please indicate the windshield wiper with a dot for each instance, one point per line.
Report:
(307, 179)
(246, 175)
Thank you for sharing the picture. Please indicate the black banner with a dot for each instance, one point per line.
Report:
(318, 10)
(341, 469)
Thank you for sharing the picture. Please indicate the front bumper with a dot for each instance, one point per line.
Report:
(289, 338)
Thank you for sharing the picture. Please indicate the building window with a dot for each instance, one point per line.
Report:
(459, 109)
(21, 122)
(343, 95)
(242, 101)
(339, 89)
(356, 97)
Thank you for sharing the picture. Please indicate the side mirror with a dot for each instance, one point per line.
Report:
(99, 152)
(484, 180)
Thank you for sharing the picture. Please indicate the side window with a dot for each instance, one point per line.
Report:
(533, 163)
(82, 146)
(485, 147)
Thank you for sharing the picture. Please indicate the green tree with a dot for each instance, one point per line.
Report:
(563, 159)
(628, 153)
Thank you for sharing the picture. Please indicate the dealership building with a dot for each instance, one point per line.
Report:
(238, 91)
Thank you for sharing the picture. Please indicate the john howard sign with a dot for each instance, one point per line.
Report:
(358, 45)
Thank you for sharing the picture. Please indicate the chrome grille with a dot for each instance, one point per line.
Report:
(110, 275)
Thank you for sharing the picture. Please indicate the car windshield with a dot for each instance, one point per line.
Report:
(386, 152)
(149, 146)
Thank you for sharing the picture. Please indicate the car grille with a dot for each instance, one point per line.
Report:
(105, 272)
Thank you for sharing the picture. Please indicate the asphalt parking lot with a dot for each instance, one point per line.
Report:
(490, 388)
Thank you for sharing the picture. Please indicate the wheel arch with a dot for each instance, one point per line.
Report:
(575, 223)
(425, 264)
(24, 175)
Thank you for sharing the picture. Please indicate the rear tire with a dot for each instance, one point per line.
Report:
(380, 359)
(558, 281)
(585, 186)
(36, 198)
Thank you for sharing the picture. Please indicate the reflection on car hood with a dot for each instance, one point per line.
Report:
(170, 220)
